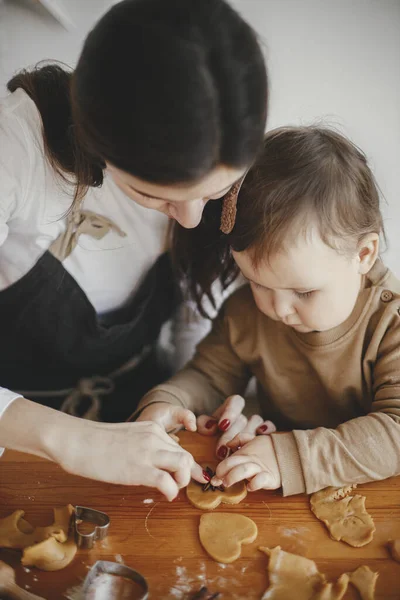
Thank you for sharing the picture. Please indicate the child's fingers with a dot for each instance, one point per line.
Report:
(232, 408)
(207, 425)
(185, 417)
(266, 428)
(262, 481)
(240, 440)
(226, 465)
(222, 449)
(246, 470)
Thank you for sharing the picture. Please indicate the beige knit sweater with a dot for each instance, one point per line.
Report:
(334, 394)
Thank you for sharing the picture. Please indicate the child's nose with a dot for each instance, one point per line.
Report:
(283, 307)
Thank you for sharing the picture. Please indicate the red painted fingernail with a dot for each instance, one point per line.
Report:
(210, 424)
(222, 452)
(224, 424)
(263, 428)
(206, 476)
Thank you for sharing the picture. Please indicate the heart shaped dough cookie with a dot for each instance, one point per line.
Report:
(222, 535)
(212, 498)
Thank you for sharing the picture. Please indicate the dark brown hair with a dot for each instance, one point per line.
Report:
(303, 176)
(163, 89)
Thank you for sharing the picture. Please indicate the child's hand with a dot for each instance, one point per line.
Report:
(255, 461)
(169, 416)
(228, 418)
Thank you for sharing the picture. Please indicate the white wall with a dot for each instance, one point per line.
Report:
(338, 60)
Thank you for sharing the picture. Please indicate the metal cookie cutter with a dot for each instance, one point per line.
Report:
(101, 569)
(97, 518)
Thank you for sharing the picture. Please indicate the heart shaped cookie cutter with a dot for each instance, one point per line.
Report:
(101, 521)
(104, 567)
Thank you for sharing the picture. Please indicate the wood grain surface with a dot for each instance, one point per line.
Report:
(160, 539)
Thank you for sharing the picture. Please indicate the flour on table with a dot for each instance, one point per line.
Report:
(148, 501)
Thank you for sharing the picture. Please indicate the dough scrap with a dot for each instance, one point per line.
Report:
(364, 580)
(345, 516)
(394, 549)
(222, 535)
(211, 499)
(49, 555)
(15, 532)
(293, 576)
(47, 548)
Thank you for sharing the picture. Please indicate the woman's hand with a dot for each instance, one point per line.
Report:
(122, 453)
(169, 416)
(228, 418)
(255, 461)
(130, 454)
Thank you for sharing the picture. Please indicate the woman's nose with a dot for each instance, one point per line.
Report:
(189, 213)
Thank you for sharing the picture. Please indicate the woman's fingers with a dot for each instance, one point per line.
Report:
(238, 425)
(229, 412)
(266, 428)
(178, 462)
(207, 425)
(162, 481)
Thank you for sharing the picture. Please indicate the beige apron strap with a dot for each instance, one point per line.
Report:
(78, 222)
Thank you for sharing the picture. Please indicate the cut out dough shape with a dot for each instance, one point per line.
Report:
(394, 549)
(292, 576)
(47, 548)
(364, 580)
(211, 499)
(345, 516)
(222, 535)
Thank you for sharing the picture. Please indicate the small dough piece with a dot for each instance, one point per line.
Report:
(394, 549)
(47, 548)
(211, 499)
(293, 576)
(15, 532)
(49, 555)
(345, 516)
(222, 535)
(364, 580)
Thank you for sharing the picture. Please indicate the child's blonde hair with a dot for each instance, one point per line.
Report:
(306, 176)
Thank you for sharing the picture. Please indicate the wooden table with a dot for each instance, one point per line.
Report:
(160, 539)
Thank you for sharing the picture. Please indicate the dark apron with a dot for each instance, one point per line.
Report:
(52, 338)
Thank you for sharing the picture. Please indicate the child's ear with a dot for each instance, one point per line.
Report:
(367, 252)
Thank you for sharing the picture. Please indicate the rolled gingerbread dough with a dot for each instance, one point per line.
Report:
(222, 535)
(212, 498)
(364, 580)
(345, 516)
(297, 577)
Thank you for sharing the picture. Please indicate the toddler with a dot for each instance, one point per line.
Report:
(318, 323)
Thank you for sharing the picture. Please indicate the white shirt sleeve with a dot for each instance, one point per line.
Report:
(189, 327)
(6, 398)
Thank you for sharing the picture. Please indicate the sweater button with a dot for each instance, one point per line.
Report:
(386, 296)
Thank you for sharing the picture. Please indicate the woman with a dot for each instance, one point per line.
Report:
(165, 110)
